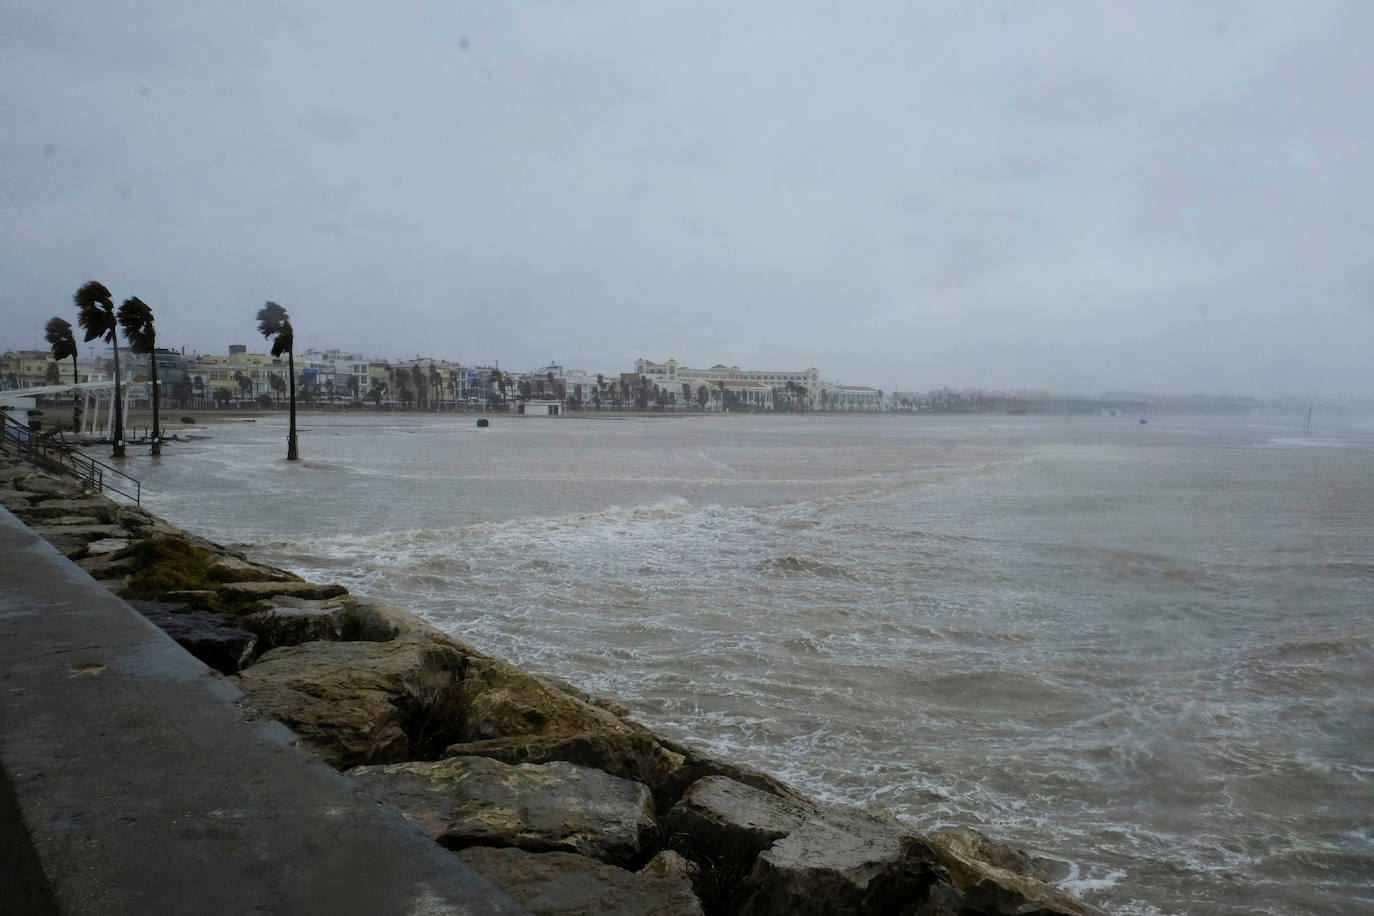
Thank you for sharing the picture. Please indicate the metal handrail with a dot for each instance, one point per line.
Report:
(55, 455)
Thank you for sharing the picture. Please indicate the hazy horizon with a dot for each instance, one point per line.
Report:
(1168, 197)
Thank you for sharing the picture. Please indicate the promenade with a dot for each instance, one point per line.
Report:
(133, 780)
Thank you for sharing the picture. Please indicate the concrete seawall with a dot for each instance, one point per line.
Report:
(133, 780)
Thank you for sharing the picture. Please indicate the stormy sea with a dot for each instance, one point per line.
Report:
(1143, 651)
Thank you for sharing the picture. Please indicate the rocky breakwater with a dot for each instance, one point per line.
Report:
(556, 796)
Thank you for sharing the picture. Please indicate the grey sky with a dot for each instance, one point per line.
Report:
(1076, 196)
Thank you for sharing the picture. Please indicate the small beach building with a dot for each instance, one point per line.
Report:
(540, 407)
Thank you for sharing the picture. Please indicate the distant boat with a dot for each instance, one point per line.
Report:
(483, 422)
(1143, 421)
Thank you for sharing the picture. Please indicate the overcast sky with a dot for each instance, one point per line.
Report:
(1172, 197)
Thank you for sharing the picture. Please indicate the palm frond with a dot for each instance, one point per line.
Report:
(284, 339)
(271, 319)
(60, 339)
(95, 311)
(136, 319)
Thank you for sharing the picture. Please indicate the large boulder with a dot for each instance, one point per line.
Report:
(563, 884)
(289, 621)
(500, 701)
(698, 765)
(212, 638)
(371, 619)
(257, 591)
(71, 540)
(106, 565)
(972, 844)
(842, 861)
(42, 485)
(96, 507)
(362, 702)
(630, 753)
(999, 892)
(292, 621)
(225, 567)
(15, 501)
(551, 807)
(726, 824)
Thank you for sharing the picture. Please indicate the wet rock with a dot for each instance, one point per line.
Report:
(563, 884)
(106, 565)
(71, 540)
(627, 753)
(106, 546)
(292, 621)
(999, 892)
(843, 861)
(212, 638)
(13, 500)
(698, 765)
(199, 598)
(727, 824)
(668, 864)
(100, 508)
(361, 702)
(971, 844)
(370, 619)
(551, 807)
(45, 486)
(249, 591)
(229, 568)
(943, 899)
(502, 701)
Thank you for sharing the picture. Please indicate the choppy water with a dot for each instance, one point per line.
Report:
(1144, 651)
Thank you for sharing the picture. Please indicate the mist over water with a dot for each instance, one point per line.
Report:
(1143, 651)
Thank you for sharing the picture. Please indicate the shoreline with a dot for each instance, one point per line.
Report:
(417, 718)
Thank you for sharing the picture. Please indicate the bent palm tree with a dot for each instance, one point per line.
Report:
(96, 315)
(137, 321)
(275, 325)
(63, 344)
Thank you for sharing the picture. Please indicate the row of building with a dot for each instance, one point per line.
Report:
(334, 376)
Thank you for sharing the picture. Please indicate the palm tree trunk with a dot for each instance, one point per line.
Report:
(291, 453)
(157, 396)
(117, 434)
(76, 398)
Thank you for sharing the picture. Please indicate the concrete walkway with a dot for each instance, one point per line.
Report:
(132, 781)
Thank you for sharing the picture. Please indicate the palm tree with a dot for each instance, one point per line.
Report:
(96, 315)
(242, 383)
(278, 385)
(417, 376)
(275, 325)
(436, 384)
(63, 345)
(499, 381)
(137, 321)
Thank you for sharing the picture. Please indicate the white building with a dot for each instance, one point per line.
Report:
(540, 407)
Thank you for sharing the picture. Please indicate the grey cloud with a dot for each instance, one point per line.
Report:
(1159, 196)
